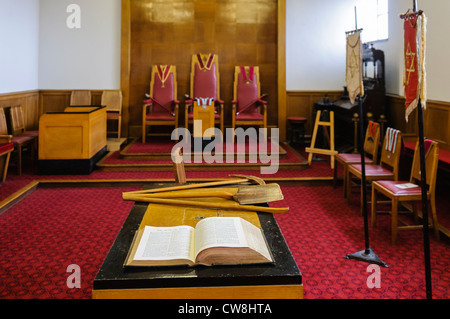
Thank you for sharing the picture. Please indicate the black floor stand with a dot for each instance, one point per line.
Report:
(367, 254)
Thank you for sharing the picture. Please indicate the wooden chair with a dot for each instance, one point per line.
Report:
(410, 191)
(248, 106)
(388, 168)
(113, 101)
(162, 107)
(205, 83)
(371, 146)
(18, 117)
(80, 97)
(19, 139)
(6, 147)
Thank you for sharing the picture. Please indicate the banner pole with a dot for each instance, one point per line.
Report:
(426, 235)
(423, 184)
(367, 255)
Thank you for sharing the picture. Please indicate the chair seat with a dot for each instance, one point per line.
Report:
(21, 139)
(6, 147)
(297, 119)
(112, 115)
(372, 170)
(31, 133)
(216, 116)
(247, 116)
(398, 191)
(160, 116)
(351, 158)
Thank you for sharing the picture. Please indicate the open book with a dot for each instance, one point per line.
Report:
(213, 241)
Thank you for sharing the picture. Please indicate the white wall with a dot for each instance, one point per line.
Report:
(315, 43)
(84, 58)
(321, 25)
(19, 43)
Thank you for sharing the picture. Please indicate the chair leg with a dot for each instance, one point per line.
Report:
(119, 127)
(344, 182)
(19, 160)
(434, 217)
(348, 186)
(415, 211)
(334, 176)
(144, 132)
(374, 206)
(361, 200)
(4, 164)
(394, 221)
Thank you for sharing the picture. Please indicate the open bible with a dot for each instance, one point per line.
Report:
(213, 241)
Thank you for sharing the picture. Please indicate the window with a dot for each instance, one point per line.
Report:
(373, 19)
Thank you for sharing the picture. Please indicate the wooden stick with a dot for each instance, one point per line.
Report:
(190, 186)
(224, 205)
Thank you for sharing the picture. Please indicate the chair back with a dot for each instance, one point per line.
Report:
(205, 78)
(112, 99)
(372, 140)
(3, 123)
(431, 164)
(80, 97)
(163, 87)
(390, 151)
(247, 88)
(17, 120)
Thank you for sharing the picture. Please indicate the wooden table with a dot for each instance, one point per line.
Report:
(280, 280)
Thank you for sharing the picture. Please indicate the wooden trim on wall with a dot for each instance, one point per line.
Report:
(29, 100)
(125, 64)
(436, 119)
(281, 51)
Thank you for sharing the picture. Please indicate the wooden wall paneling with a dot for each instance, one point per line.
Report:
(436, 123)
(301, 103)
(53, 100)
(169, 32)
(395, 106)
(29, 102)
(31, 112)
(436, 119)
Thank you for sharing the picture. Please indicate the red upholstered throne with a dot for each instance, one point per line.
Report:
(205, 83)
(248, 106)
(162, 106)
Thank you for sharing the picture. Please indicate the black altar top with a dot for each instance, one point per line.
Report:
(113, 275)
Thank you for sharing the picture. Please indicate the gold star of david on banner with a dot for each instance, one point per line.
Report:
(410, 60)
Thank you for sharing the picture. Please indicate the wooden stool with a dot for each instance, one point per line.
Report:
(297, 129)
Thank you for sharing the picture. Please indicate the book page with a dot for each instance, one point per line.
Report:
(406, 185)
(255, 239)
(219, 232)
(166, 243)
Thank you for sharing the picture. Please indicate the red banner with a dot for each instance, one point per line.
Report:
(411, 72)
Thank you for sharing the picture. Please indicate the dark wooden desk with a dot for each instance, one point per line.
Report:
(280, 280)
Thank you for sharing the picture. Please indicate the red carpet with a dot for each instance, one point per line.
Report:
(321, 229)
(53, 228)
